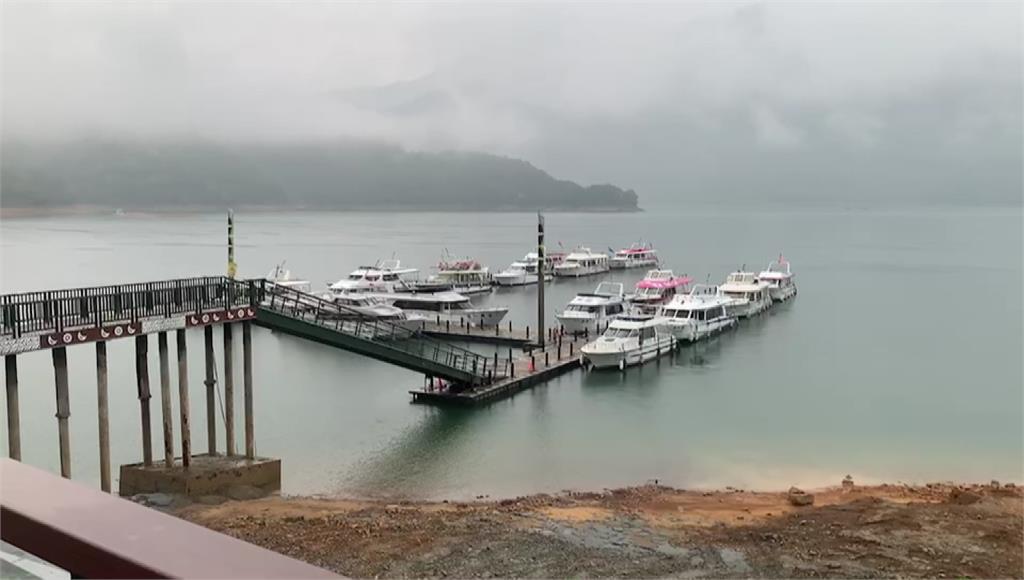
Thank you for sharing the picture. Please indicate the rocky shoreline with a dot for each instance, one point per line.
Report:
(935, 530)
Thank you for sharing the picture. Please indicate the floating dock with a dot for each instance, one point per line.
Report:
(500, 334)
(537, 366)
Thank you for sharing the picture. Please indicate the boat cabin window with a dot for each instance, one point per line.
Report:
(613, 309)
(648, 332)
(355, 276)
(620, 333)
(682, 314)
(391, 277)
(582, 308)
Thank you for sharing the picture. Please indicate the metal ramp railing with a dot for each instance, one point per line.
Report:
(293, 311)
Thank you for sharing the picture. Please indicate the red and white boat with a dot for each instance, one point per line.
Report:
(658, 287)
(635, 256)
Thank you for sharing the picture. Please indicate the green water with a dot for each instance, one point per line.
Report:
(900, 360)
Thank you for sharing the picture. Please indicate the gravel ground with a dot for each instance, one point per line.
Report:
(938, 530)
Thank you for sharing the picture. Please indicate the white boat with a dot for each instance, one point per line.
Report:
(448, 307)
(523, 272)
(657, 288)
(749, 295)
(590, 312)
(283, 277)
(699, 314)
(384, 277)
(780, 280)
(635, 256)
(582, 262)
(463, 276)
(630, 340)
(363, 305)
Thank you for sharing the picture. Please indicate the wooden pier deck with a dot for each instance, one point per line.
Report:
(529, 369)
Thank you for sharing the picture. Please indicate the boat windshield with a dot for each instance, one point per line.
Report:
(649, 292)
(582, 308)
(620, 333)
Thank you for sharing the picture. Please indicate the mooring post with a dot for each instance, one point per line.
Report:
(229, 393)
(211, 394)
(165, 399)
(13, 415)
(142, 386)
(103, 414)
(547, 362)
(250, 442)
(186, 430)
(540, 282)
(60, 372)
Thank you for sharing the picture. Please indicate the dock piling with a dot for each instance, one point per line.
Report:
(142, 387)
(250, 442)
(103, 414)
(547, 362)
(229, 393)
(13, 414)
(165, 400)
(211, 385)
(60, 372)
(186, 430)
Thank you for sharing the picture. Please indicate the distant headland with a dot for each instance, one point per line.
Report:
(182, 175)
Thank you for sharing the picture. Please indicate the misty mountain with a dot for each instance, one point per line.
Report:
(335, 175)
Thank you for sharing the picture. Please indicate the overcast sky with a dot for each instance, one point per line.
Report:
(634, 93)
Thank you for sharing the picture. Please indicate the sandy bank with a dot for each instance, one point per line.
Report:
(939, 530)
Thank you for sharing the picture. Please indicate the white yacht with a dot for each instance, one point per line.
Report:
(361, 304)
(630, 340)
(384, 276)
(749, 295)
(448, 307)
(592, 311)
(635, 256)
(523, 272)
(699, 314)
(283, 277)
(463, 276)
(780, 280)
(582, 262)
(657, 288)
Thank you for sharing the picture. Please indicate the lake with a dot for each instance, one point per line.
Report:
(900, 360)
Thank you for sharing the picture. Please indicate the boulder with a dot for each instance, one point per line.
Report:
(159, 499)
(963, 497)
(848, 482)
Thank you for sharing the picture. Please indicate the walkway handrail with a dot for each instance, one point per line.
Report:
(347, 320)
(96, 535)
(79, 308)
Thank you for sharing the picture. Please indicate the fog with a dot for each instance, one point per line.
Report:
(735, 100)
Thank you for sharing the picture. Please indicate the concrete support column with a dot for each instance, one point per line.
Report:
(186, 430)
(103, 414)
(229, 392)
(60, 372)
(250, 442)
(142, 386)
(211, 385)
(13, 414)
(165, 400)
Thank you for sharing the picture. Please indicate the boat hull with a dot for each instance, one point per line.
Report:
(579, 271)
(578, 325)
(747, 308)
(627, 264)
(602, 358)
(782, 293)
(691, 332)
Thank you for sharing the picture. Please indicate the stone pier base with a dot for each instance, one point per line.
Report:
(207, 475)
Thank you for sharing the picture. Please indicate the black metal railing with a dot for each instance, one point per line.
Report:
(388, 334)
(79, 308)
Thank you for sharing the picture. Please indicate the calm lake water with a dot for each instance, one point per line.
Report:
(900, 360)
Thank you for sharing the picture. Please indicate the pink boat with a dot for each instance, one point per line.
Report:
(658, 287)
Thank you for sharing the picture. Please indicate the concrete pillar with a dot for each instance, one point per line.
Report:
(60, 372)
(142, 386)
(229, 392)
(13, 414)
(250, 443)
(211, 385)
(165, 400)
(103, 414)
(186, 430)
